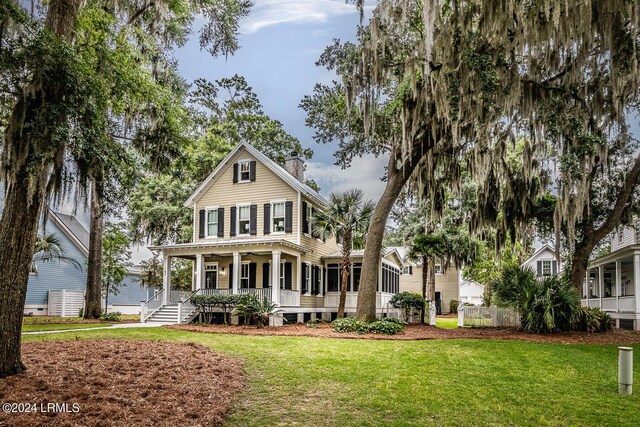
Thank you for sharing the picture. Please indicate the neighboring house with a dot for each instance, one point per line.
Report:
(613, 280)
(447, 282)
(471, 292)
(543, 262)
(252, 234)
(51, 278)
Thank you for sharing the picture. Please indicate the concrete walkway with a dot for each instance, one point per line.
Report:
(119, 326)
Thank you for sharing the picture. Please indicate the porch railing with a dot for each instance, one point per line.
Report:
(289, 298)
(260, 293)
(151, 305)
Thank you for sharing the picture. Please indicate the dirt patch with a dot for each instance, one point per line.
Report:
(418, 332)
(121, 383)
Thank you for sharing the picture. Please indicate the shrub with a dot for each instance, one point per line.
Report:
(314, 323)
(453, 306)
(350, 324)
(387, 326)
(251, 307)
(592, 320)
(407, 301)
(545, 305)
(392, 320)
(206, 304)
(81, 312)
(110, 317)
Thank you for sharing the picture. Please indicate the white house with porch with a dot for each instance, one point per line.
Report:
(253, 234)
(613, 280)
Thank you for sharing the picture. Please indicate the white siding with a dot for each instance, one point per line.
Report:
(628, 238)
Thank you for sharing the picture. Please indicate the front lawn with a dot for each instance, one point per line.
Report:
(316, 381)
(447, 322)
(52, 319)
(61, 326)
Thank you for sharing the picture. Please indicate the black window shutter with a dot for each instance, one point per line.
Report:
(220, 222)
(265, 275)
(230, 275)
(287, 275)
(253, 220)
(235, 173)
(303, 273)
(252, 275)
(313, 214)
(252, 170)
(232, 225)
(202, 222)
(305, 220)
(539, 268)
(288, 217)
(267, 218)
(554, 267)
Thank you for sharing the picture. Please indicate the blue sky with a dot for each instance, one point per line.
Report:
(280, 42)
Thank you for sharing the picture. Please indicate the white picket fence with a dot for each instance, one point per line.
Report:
(488, 316)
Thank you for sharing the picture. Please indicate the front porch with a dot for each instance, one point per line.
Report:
(240, 267)
(612, 283)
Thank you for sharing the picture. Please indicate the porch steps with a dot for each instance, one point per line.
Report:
(168, 314)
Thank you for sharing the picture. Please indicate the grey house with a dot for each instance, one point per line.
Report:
(57, 288)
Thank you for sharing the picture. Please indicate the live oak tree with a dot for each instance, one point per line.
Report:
(465, 79)
(60, 84)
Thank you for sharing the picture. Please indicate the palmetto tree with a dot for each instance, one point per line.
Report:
(451, 245)
(48, 248)
(347, 218)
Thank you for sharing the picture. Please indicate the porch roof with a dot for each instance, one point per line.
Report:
(241, 243)
(623, 252)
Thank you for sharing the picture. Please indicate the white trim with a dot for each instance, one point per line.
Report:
(538, 252)
(61, 225)
(299, 227)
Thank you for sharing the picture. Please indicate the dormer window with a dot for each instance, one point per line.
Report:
(244, 167)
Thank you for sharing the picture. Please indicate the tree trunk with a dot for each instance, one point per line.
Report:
(28, 157)
(366, 310)
(18, 234)
(346, 265)
(424, 288)
(94, 259)
(432, 279)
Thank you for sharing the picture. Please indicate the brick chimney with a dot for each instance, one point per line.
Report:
(295, 166)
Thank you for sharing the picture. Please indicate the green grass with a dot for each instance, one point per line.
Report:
(312, 381)
(40, 320)
(61, 326)
(447, 322)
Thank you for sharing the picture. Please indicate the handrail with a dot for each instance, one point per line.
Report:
(190, 295)
(154, 296)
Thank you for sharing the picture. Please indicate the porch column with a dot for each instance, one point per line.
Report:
(199, 271)
(275, 277)
(237, 259)
(166, 279)
(636, 280)
(600, 284)
(618, 284)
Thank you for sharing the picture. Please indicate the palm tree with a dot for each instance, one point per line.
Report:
(452, 246)
(49, 248)
(424, 249)
(347, 218)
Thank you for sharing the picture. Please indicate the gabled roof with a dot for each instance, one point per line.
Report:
(539, 251)
(70, 226)
(273, 166)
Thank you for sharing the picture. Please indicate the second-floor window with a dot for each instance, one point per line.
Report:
(638, 233)
(621, 236)
(212, 223)
(546, 267)
(277, 217)
(437, 268)
(244, 171)
(244, 219)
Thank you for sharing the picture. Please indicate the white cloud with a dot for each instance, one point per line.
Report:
(364, 173)
(266, 13)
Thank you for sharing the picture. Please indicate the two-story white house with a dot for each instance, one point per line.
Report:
(253, 234)
(613, 280)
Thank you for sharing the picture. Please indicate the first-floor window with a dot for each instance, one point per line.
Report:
(212, 222)
(390, 279)
(333, 278)
(244, 215)
(306, 280)
(282, 275)
(277, 217)
(244, 275)
(357, 270)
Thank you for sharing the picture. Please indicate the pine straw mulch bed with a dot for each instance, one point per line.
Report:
(123, 383)
(418, 332)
